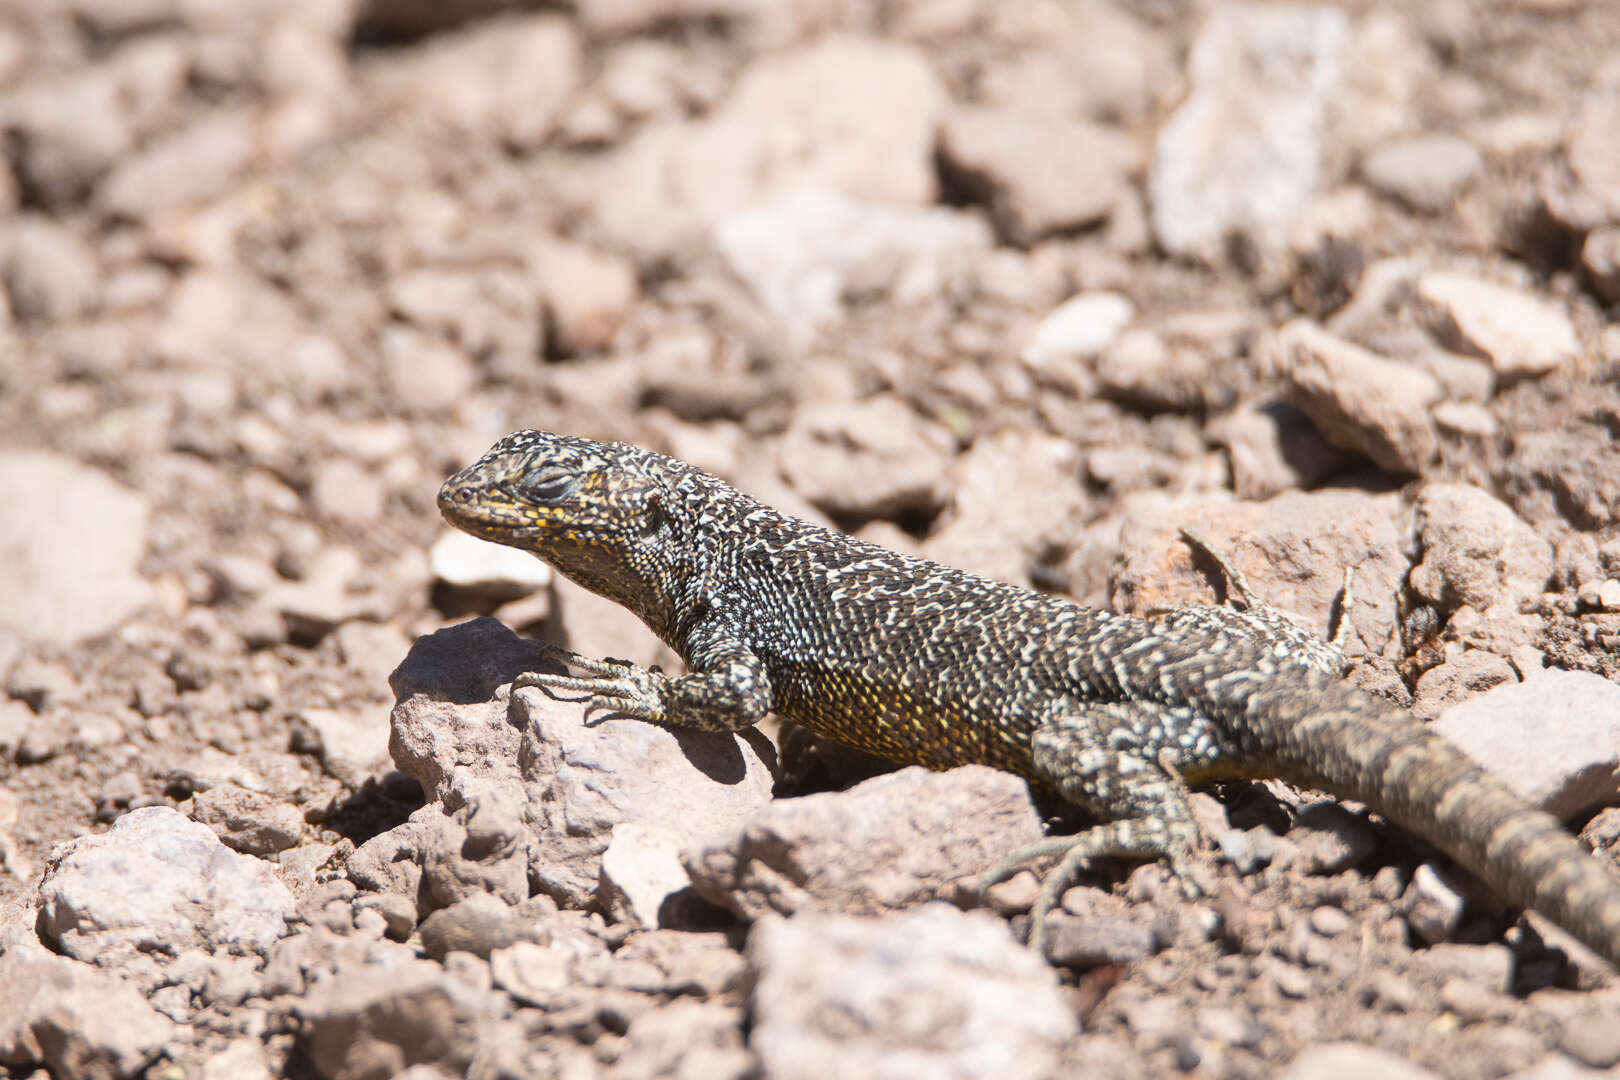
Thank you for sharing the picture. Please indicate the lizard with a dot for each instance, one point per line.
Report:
(921, 663)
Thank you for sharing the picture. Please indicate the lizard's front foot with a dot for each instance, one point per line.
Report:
(615, 686)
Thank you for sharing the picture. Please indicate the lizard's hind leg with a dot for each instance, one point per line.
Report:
(1120, 761)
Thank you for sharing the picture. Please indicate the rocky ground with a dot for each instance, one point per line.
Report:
(1022, 287)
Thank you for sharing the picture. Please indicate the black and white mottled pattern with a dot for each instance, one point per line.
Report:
(922, 663)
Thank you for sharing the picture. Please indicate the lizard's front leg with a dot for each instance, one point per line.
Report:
(728, 688)
(1112, 759)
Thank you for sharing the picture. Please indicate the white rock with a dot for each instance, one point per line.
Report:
(801, 254)
(1339, 1061)
(1520, 334)
(72, 541)
(1242, 153)
(157, 883)
(933, 992)
(641, 868)
(1083, 326)
(470, 563)
(1554, 738)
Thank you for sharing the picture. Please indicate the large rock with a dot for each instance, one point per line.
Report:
(852, 114)
(582, 781)
(72, 543)
(886, 843)
(449, 729)
(524, 773)
(1242, 155)
(1567, 768)
(1293, 549)
(75, 1019)
(802, 255)
(934, 992)
(157, 884)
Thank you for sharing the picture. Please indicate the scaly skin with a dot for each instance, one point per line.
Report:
(924, 664)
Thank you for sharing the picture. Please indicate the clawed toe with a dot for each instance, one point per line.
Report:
(1128, 838)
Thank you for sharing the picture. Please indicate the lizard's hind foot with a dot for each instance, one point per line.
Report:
(1134, 838)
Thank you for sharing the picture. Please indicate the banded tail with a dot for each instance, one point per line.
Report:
(1343, 741)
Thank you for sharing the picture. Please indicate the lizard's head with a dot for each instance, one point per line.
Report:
(596, 511)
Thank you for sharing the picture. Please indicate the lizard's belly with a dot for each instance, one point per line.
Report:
(913, 722)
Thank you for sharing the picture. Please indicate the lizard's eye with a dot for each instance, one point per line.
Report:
(549, 486)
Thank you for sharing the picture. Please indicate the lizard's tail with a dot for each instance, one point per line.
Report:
(1346, 742)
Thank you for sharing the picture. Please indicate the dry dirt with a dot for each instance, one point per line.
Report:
(272, 270)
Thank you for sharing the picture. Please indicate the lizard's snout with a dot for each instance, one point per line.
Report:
(456, 495)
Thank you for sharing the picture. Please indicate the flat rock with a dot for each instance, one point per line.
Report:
(156, 883)
(1359, 400)
(1242, 154)
(1567, 768)
(70, 566)
(887, 843)
(934, 992)
(1520, 333)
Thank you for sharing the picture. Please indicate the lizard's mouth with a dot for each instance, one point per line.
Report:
(469, 504)
(490, 512)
